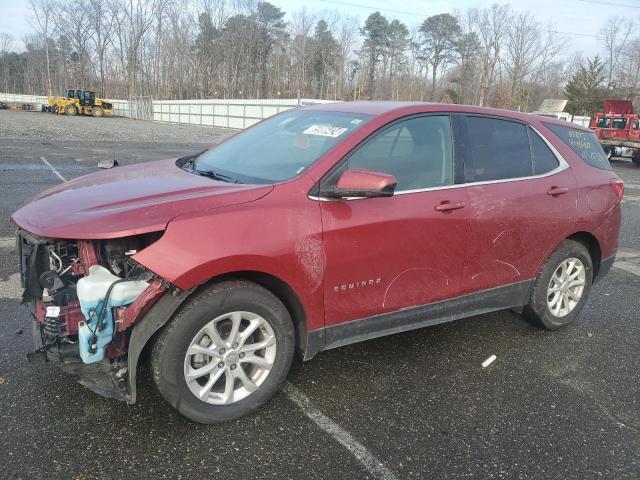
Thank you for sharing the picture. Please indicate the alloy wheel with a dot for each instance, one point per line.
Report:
(230, 357)
(566, 287)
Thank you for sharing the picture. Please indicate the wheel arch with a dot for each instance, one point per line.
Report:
(281, 289)
(593, 246)
(591, 243)
(153, 321)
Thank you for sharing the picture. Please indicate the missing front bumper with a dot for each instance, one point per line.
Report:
(108, 379)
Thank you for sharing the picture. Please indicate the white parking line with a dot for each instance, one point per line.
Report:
(52, 168)
(371, 463)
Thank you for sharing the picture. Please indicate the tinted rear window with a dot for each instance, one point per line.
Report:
(499, 150)
(585, 144)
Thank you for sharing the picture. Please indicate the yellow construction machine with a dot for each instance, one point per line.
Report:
(78, 102)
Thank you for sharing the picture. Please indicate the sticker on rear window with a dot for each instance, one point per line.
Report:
(325, 131)
(584, 143)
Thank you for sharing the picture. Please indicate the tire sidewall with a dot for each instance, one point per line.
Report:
(169, 368)
(538, 304)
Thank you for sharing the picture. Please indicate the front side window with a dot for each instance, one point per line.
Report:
(499, 150)
(279, 148)
(584, 143)
(417, 151)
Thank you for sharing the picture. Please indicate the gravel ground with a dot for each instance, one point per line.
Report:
(50, 127)
(554, 405)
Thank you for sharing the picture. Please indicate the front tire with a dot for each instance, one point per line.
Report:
(225, 353)
(70, 110)
(562, 287)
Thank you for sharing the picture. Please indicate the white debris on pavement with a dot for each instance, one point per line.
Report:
(489, 361)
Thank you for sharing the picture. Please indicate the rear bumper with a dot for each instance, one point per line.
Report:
(619, 142)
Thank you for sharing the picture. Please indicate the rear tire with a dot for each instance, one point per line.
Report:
(239, 378)
(562, 287)
(70, 110)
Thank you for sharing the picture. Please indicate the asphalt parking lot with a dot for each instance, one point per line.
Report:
(554, 405)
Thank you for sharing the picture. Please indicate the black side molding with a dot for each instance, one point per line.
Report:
(486, 301)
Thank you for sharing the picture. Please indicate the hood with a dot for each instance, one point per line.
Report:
(126, 201)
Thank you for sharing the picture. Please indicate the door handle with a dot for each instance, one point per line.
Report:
(446, 206)
(557, 191)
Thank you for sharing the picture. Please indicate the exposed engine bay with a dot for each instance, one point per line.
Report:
(86, 295)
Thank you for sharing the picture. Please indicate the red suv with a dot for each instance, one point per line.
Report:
(316, 228)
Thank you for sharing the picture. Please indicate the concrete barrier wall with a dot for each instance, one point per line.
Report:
(38, 100)
(223, 113)
(236, 114)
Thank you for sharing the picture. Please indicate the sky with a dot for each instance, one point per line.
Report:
(580, 20)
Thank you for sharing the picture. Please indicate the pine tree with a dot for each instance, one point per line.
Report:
(587, 89)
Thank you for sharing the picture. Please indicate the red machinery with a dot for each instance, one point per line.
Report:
(618, 129)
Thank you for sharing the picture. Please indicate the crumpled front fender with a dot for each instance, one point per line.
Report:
(152, 321)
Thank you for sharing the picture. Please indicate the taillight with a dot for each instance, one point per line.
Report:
(618, 187)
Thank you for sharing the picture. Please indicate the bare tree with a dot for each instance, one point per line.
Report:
(133, 19)
(301, 28)
(42, 14)
(76, 34)
(249, 48)
(630, 73)
(615, 33)
(347, 37)
(529, 50)
(101, 27)
(491, 26)
(6, 40)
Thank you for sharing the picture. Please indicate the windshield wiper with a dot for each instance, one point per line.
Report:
(216, 176)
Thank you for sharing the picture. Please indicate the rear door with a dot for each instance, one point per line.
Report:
(386, 254)
(522, 201)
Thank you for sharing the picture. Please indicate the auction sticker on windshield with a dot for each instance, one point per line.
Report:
(325, 130)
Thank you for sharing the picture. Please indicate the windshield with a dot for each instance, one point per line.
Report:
(279, 148)
(618, 123)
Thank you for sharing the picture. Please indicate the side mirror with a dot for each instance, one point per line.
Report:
(363, 183)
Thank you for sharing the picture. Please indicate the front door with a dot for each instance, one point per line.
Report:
(387, 254)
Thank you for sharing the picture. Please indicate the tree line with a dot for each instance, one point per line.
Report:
(180, 49)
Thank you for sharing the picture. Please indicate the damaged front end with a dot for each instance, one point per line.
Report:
(85, 297)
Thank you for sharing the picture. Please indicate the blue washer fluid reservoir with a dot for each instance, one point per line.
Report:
(91, 291)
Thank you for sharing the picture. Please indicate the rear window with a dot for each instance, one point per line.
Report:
(585, 144)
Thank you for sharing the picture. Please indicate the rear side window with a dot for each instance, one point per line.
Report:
(499, 150)
(544, 160)
(585, 144)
